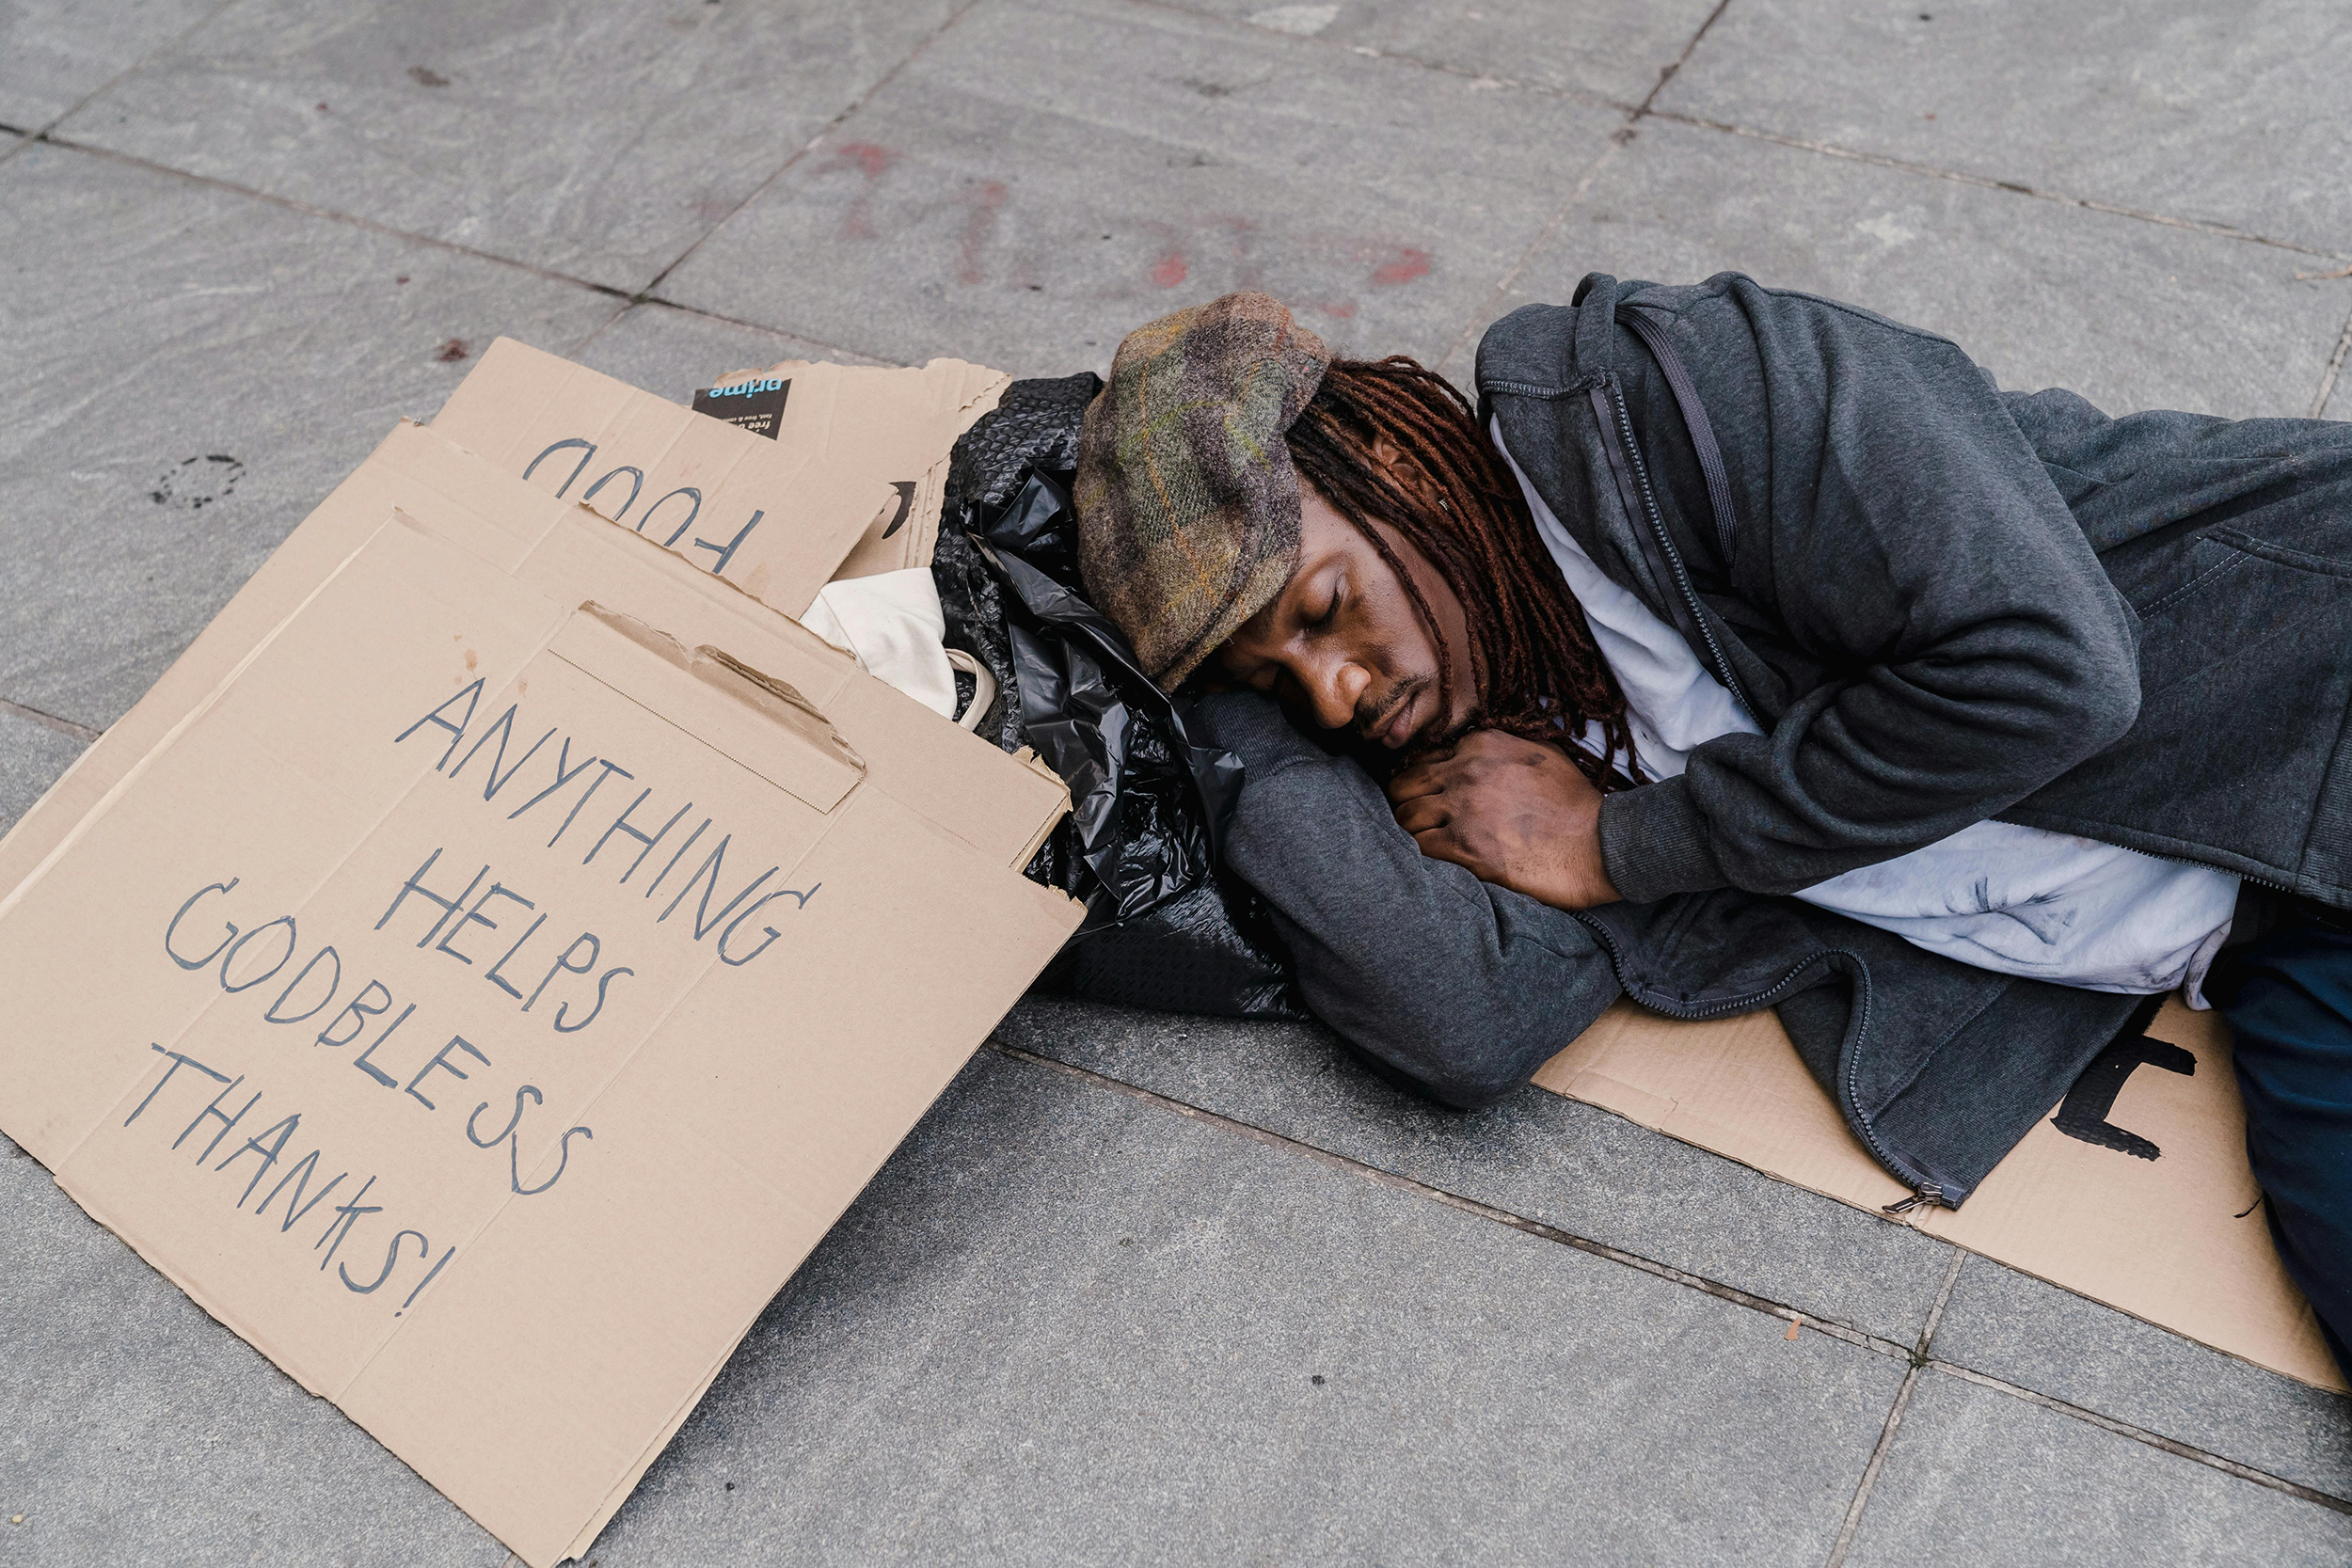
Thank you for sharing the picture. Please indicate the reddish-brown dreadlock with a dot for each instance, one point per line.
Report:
(1541, 677)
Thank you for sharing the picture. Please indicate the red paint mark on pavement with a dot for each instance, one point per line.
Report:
(1406, 264)
(1339, 309)
(1170, 271)
(871, 160)
(1248, 267)
(976, 230)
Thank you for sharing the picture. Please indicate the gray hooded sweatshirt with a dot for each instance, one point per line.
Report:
(1942, 603)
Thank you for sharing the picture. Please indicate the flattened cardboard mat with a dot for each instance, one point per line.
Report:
(2134, 1192)
(470, 972)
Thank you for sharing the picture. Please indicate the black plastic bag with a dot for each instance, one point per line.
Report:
(1163, 929)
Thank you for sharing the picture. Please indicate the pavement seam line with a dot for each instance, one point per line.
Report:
(1668, 72)
(1852, 1522)
(1861, 1339)
(330, 214)
(2141, 1434)
(1942, 1299)
(41, 133)
(64, 726)
(1592, 171)
(1915, 1357)
(806, 148)
(601, 329)
(2335, 367)
(1986, 181)
(1502, 289)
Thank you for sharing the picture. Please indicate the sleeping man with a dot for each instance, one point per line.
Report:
(1745, 649)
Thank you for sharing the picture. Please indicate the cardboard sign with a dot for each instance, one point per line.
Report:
(2145, 1203)
(471, 1002)
(893, 425)
(820, 490)
(771, 517)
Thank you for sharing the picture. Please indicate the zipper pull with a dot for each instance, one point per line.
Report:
(1932, 1193)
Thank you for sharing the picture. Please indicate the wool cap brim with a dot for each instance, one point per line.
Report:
(1188, 498)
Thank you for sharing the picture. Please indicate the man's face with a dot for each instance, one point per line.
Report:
(1342, 644)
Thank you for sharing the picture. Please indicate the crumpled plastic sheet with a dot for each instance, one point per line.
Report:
(1148, 804)
(1120, 744)
(1034, 427)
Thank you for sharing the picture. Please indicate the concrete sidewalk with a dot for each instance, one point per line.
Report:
(1142, 1288)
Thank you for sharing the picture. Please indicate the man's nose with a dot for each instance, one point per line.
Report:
(1334, 687)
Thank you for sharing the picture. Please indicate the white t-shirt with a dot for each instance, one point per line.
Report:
(2001, 896)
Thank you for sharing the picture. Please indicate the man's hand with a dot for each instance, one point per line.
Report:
(1515, 812)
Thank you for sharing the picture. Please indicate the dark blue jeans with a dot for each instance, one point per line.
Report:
(2288, 997)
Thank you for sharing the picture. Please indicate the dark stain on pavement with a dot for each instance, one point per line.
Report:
(197, 483)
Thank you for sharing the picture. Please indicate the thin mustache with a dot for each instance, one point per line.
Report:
(1399, 695)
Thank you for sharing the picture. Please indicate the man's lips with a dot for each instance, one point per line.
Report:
(1397, 728)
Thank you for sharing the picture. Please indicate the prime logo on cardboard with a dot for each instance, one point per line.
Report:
(756, 404)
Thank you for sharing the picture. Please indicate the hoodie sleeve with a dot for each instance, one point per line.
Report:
(1456, 986)
(1900, 534)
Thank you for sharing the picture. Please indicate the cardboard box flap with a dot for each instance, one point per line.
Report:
(1004, 806)
(573, 1087)
(759, 722)
(774, 520)
(897, 425)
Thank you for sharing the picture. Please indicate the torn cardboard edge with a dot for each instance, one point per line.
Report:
(908, 422)
(2174, 1241)
(418, 470)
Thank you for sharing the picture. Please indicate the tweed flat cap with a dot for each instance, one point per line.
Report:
(1187, 501)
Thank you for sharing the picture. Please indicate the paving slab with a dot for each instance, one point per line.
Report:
(672, 352)
(1535, 1154)
(55, 53)
(1064, 1325)
(1054, 173)
(136, 1429)
(190, 371)
(1974, 1475)
(2019, 1329)
(2132, 315)
(31, 756)
(598, 138)
(2227, 114)
(1612, 50)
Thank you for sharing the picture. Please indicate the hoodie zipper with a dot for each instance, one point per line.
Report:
(1923, 1190)
(1623, 436)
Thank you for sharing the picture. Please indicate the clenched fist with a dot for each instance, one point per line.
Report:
(1515, 812)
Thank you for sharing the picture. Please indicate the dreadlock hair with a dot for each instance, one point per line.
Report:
(1541, 677)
